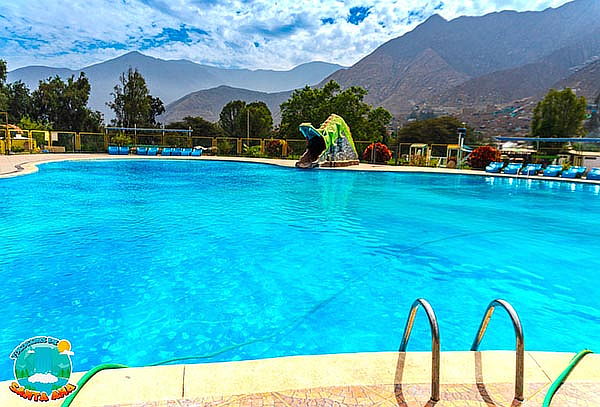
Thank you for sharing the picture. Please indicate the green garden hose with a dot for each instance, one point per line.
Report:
(84, 379)
(563, 376)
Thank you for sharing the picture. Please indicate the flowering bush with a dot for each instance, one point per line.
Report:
(382, 153)
(273, 148)
(482, 156)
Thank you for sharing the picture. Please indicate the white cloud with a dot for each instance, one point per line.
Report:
(288, 32)
(43, 378)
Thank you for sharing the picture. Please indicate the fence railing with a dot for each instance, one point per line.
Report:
(413, 154)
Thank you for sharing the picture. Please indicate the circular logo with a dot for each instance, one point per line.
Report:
(42, 367)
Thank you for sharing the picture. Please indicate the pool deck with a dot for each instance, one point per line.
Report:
(21, 164)
(382, 379)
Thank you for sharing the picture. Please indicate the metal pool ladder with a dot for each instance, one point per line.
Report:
(520, 343)
(435, 341)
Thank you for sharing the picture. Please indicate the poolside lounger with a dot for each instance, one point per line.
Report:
(512, 168)
(553, 171)
(573, 172)
(113, 150)
(186, 151)
(494, 166)
(166, 151)
(197, 152)
(593, 174)
(141, 151)
(531, 169)
(123, 150)
(176, 151)
(152, 151)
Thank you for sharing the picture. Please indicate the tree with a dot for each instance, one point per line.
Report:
(439, 130)
(260, 120)
(230, 118)
(314, 105)
(132, 103)
(199, 126)
(379, 120)
(559, 114)
(593, 125)
(19, 104)
(3, 93)
(63, 105)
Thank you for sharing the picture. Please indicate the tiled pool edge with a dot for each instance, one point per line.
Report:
(472, 376)
(15, 165)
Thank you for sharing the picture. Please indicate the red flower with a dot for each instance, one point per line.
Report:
(483, 156)
(382, 153)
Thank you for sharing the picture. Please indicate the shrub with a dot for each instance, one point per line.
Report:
(273, 148)
(253, 151)
(417, 160)
(382, 153)
(120, 139)
(483, 156)
(224, 147)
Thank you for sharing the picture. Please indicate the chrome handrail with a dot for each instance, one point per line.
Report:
(520, 343)
(435, 342)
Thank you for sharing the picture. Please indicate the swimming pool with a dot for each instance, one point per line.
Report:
(139, 261)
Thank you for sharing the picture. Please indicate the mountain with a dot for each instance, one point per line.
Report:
(172, 79)
(469, 61)
(585, 81)
(209, 103)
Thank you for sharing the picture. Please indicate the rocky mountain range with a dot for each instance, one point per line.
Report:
(172, 79)
(483, 60)
(468, 62)
(463, 63)
(209, 103)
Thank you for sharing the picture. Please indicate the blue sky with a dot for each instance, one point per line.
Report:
(251, 34)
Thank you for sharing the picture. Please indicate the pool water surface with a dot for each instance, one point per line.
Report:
(137, 261)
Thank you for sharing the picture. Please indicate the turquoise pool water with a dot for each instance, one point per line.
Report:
(139, 261)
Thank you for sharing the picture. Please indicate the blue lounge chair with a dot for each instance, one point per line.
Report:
(166, 151)
(512, 168)
(186, 151)
(531, 169)
(573, 172)
(197, 152)
(494, 166)
(142, 151)
(593, 174)
(123, 150)
(176, 151)
(553, 171)
(113, 150)
(152, 151)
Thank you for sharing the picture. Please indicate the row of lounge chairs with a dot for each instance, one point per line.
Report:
(166, 151)
(549, 171)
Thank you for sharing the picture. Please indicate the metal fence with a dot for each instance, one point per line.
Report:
(415, 154)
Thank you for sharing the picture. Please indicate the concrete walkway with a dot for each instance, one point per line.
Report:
(21, 164)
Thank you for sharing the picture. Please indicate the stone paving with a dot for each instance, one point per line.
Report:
(414, 395)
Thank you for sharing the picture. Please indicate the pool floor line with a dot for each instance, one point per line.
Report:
(386, 379)
(22, 164)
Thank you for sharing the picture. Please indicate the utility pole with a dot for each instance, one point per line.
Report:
(248, 126)
(7, 140)
(462, 132)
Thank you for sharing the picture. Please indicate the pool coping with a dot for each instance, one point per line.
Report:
(491, 370)
(23, 164)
